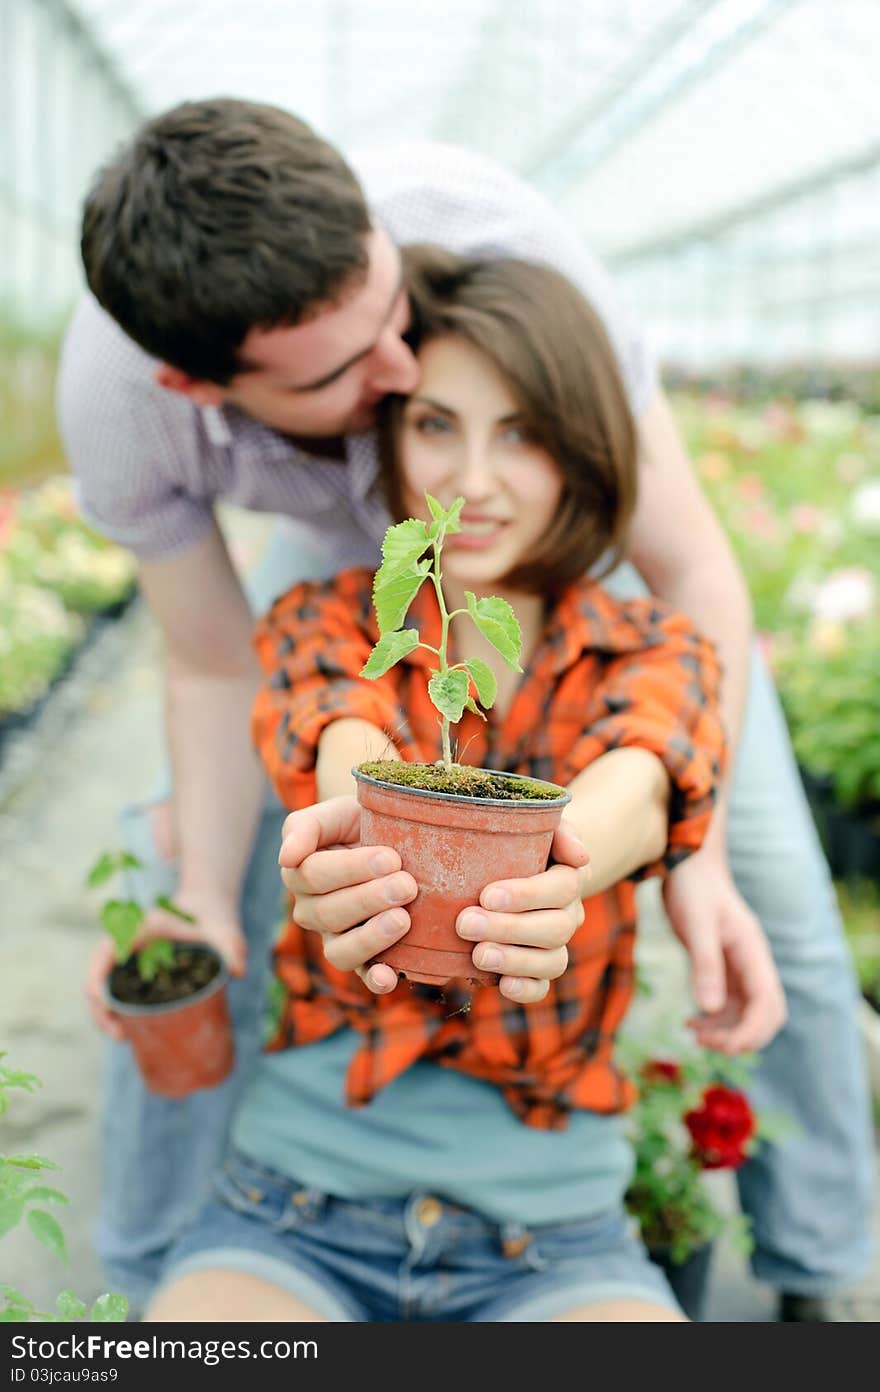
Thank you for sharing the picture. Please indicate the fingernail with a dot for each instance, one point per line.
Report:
(382, 863)
(497, 900)
(396, 891)
(490, 958)
(392, 923)
(380, 986)
(515, 987)
(473, 924)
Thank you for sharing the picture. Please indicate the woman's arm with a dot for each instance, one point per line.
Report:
(620, 809)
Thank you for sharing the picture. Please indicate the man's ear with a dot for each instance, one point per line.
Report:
(203, 393)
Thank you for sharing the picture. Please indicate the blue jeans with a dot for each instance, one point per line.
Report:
(415, 1258)
(810, 1198)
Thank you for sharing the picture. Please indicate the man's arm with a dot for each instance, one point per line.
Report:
(210, 678)
(681, 550)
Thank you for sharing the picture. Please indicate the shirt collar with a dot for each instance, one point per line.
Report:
(585, 618)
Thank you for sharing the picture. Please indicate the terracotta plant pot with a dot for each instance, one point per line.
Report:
(453, 846)
(184, 1045)
(689, 1279)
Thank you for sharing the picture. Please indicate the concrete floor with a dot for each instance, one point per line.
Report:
(98, 744)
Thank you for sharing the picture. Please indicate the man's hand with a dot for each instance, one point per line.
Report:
(523, 926)
(217, 924)
(735, 983)
(354, 896)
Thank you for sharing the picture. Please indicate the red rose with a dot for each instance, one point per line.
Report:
(720, 1128)
(662, 1071)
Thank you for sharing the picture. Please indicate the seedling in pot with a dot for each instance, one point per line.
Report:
(403, 571)
(447, 821)
(122, 919)
(169, 996)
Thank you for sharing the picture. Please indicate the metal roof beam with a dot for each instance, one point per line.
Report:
(491, 34)
(656, 77)
(714, 227)
(82, 33)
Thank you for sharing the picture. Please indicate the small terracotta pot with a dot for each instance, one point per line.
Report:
(453, 846)
(184, 1045)
(689, 1279)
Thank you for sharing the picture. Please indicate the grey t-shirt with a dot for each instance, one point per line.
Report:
(432, 1129)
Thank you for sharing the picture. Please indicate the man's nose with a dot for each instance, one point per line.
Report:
(396, 368)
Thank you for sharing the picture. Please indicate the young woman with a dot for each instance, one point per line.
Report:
(396, 1157)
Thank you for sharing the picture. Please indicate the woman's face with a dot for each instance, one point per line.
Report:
(462, 434)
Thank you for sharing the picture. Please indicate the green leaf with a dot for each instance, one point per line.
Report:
(69, 1306)
(453, 517)
(15, 1078)
(403, 544)
(471, 705)
(449, 693)
(158, 953)
(17, 1308)
(30, 1162)
(448, 518)
(163, 902)
(42, 1195)
(47, 1230)
(390, 648)
(496, 621)
(11, 1213)
(107, 865)
(109, 1309)
(122, 918)
(394, 591)
(484, 680)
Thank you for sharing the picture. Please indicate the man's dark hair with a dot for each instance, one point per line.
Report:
(551, 348)
(219, 217)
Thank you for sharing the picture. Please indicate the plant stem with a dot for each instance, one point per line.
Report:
(444, 641)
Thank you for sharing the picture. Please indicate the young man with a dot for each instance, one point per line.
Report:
(250, 315)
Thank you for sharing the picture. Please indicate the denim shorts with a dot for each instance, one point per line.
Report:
(415, 1258)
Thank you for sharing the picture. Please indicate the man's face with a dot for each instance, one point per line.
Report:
(326, 377)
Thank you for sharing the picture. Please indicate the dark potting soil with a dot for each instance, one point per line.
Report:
(192, 971)
(464, 781)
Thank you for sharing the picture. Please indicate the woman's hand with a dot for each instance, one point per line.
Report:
(523, 927)
(354, 896)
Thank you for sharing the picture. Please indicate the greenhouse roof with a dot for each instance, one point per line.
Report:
(689, 111)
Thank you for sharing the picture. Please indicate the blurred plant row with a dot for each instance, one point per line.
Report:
(797, 486)
(55, 575)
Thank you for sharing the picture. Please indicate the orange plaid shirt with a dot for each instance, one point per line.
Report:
(604, 675)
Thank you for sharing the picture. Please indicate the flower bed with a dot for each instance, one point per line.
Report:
(797, 486)
(692, 1117)
(56, 577)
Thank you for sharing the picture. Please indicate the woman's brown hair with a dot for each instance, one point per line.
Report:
(552, 350)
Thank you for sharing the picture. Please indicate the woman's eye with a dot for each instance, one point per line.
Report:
(516, 435)
(432, 425)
